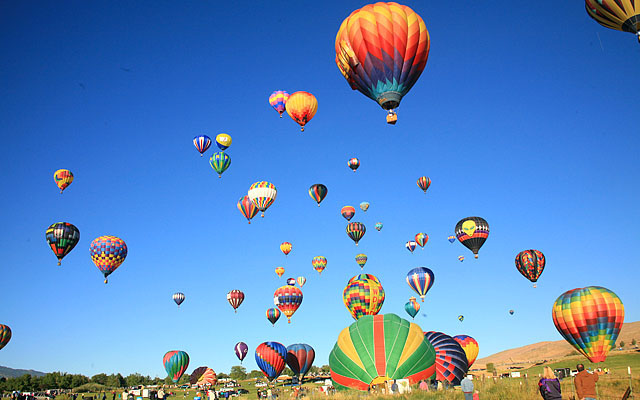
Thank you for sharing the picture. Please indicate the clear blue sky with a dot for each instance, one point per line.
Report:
(525, 116)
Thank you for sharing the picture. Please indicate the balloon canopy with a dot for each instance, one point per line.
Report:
(451, 360)
(472, 232)
(62, 238)
(5, 335)
(175, 363)
(270, 357)
(470, 347)
(300, 357)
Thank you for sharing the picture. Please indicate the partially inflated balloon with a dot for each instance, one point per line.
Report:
(273, 315)
(220, 161)
(319, 263)
(247, 208)
(241, 350)
(279, 271)
(364, 206)
(318, 192)
(287, 299)
(270, 357)
(376, 348)
(223, 141)
(412, 307)
(361, 259)
(207, 378)
(5, 335)
(175, 363)
(354, 163)
(285, 247)
(63, 178)
(356, 230)
(378, 226)
(530, 263)
(472, 232)
(235, 298)
(424, 183)
(589, 319)
(348, 212)
(621, 15)
(363, 297)
(451, 360)
(202, 143)
(196, 374)
(278, 101)
(108, 253)
(300, 358)
(420, 280)
(178, 298)
(62, 238)
(470, 347)
(301, 107)
(262, 195)
(422, 239)
(301, 281)
(411, 245)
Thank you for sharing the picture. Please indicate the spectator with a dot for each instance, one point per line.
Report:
(476, 395)
(467, 387)
(549, 385)
(585, 383)
(424, 386)
(394, 387)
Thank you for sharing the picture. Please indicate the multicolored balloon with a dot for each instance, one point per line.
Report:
(287, 299)
(356, 230)
(348, 212)
(279, 271)
(357, 360)
(470, 347)
(202, 143)
(318, 192)
(247, 208)
(63, 178)
(300, 358)
(203, 376)
(5, 335)
(262, 195)
(424, 183)
(614, 14)
(62, 238)
(278, 101)
(531, 263)
(451, 360)
(412, 307)
(511, 312)
(364, 276)
(319, 263)
(354, 163)
(420, 280)
(235, 298)
(108, 253)
(363, 296)
(378, 226)
(460, 318)
(241, 350)
(301, 281)
(589, 319)
(451, 239)
(291, 281)
(364, 206)
(270, 357)
(411, 245)
(285, 248)
(472, 232)
(422, 239)
(220, 161)
(178, 298)
(301, 107)
(273, 315)
(223, 141)
(461, 258)
(175, 363)
(361, 259)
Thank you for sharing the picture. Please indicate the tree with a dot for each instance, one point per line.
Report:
(116, 381)
(491, 368)
(255, 374)
(287, 371)
(238, 372)
(222, 375)
(100, 379)
(325, 369)
(633, 342)
(134, 380)
(622, 343)
(78, 380)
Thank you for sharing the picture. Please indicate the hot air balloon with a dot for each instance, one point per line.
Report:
(223, 141)
(262, 195)
(364, 206)
(376, 348)
(319, 263)
(62, 238)
(279, 271)
(247, 208)
(202, 143)
(411, 245)
(5, 335)
(220, 161)
(301, 281)
(422, 239)
(348, 212)
(278, 101)
(420, 280)
(241, 350)
(235, 298)
(300, 358)
(472, 232)
(285, 247)
(363, 296)
(511, 312)
(356, 231)
(461, 258)
(531, 263)
(424, 183)
(203, 376)
(378, 226)
(107, 253)
(451, 360)
(364, 276)
(291, 281)
(287, 299)
(301, 107)
(178, 298)
(615, 14)
(412, 307)
(470, 347)
(381, 50)
(273, 315)
(318, 192)
(63, 178)
(354, 163)
(460, 318)
(270, 357)
(589, 319)
(361, 259)
(175, 362)
(196, 374)
(451, 239)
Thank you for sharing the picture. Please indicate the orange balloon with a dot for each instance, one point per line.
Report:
(301, 107)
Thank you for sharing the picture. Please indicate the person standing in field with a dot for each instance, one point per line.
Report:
(549, 385)
(585, 383)
(467, 387)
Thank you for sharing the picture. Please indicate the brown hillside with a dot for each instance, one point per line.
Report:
(537, 352)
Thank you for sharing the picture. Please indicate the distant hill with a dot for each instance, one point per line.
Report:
(14, 373)
(546, 351)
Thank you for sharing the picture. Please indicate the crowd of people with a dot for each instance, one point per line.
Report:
(584, 382)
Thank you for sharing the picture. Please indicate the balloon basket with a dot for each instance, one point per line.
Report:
(392, 118)
(59, 262)
(476, 256)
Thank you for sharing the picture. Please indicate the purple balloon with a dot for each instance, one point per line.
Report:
(241, 350)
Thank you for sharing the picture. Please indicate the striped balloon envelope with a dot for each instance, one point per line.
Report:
(220, 161)
(356, 230)
(235, 298)
(270, 357)
(348, 212)
(589, 319)
(247, 208)
(420, 280)
(175, 363)
(300, 357)
(5, 335)
(301, 281)
(278, 101)
(423, 183)
(319, 263)
(202, 143)
(377, 348)
(354, 164)
(451, 360)
(273, 315)
(421, 239)
(470, 347)
(531, 263)
(318, 192)
(262, 194)
(412, 307)
(287, 299)
(178, 298)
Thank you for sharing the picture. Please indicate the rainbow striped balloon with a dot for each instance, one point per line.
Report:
(278, 101)
(262, 195)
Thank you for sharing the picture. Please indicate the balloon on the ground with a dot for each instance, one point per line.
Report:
(376, 348)
(318, 192)
(356, 230)
(470, 347)
(220, 161)
(271, 358)
(5, 335)
(285, 248)
(354, 163)
(291, 281)
(420, 280)
(279, 271)
(108, 253)
(364, 206)
(363, 296)
(175, 363)
(461, 258)
(273, 315)
(262, 195)
(247, 208)
(178, 298)
(411, 245)
(378, 226)
(203, 376)
(300, 358)
(412, 307)
(621, 15)
(319, 263)
(287, 299)
(202, 143)
(235, 298)
(301, 281)
(423, 183)
(472, 232)
(63, 178)
(422, 239)
(381, 50)
(241, 350)
(589, 319)
(451, 239)
(62, 238)
(451, 360)
(348, 212)
(301, 107)
(223, 141)
(361, 259)
(278, 101)
(530, 263)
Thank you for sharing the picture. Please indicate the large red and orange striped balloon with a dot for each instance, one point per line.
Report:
(301, 107)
